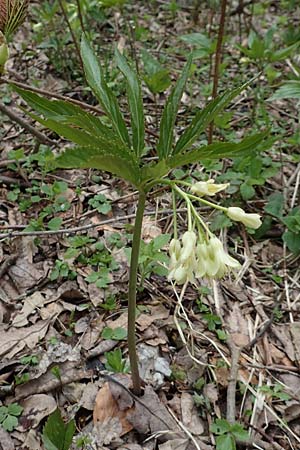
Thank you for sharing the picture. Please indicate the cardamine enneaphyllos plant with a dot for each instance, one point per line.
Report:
(12, 14)
(121, 151)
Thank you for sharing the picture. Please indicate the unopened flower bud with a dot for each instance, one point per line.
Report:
(4, 53)
(239, 215)
(208, 188)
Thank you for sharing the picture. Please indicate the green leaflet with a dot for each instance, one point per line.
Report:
(119, 162)
(135, 102)
(108, 101)
(217, 150)
(205, 116)
(65, 113)
(166, 134)
(290, 89)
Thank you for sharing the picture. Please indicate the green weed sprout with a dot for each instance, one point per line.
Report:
(119, 150)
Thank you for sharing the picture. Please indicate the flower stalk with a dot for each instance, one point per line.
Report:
(131, 339)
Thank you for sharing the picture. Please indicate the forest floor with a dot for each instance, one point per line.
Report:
(64, 271)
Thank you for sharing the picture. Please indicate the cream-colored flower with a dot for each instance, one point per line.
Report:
(251, 220)
(202, 188)
(213, 261)
(222, 262)
(189, 240)
(174, 252)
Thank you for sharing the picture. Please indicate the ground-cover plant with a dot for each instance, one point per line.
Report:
(9, 416)
(121, 151)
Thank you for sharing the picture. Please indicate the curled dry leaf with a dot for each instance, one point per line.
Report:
(31, 303)
(16, 339)
(237, 326)
(36, 408)
(190, 416)
(109, 414)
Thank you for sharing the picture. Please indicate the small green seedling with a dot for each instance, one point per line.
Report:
(228, 434)
(9, 416)
(115, 362)
(58, 435)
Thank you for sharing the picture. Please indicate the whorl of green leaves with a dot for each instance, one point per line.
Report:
(119, 150)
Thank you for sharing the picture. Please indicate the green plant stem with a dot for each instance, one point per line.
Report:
(136, 381)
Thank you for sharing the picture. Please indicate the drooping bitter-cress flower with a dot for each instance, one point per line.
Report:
(192, 260)
(208, 187)
(251, 220)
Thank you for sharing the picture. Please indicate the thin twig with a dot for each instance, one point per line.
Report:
(80, 16)
(72, 32)
(14, 117)
(231, 389)
(218, 56)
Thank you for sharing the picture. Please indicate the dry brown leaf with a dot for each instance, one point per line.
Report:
(190, 416)
(107, 411)
(150, 230)
(237, 326)
(295, 333)
(6, 442)
(174, 444)
(69, 372)
(89, 394)
(158, 312)
(144, 422)
(31, 303)
(16, 339)
(36, 407)
(32, 441)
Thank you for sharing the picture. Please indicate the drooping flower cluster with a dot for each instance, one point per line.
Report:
(191, 260)
(203, 256)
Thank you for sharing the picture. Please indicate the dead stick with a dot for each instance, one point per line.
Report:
(218, 56)
(15, 118)
(72, 32)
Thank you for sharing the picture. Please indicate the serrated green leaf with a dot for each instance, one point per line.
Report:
(55, 223)
(292, 241)
(66, 113)
(225, 442)
(119, 162)
(135, 102)
(56, 434)
(205, 116)
(95, 78)
(290, 89)
(275, 205)
(218, 150)
(283, 53)
(239, 432)
(220, 426)
(166, 133)
(247, 191)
